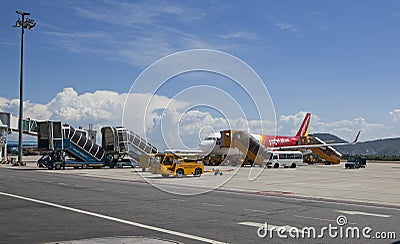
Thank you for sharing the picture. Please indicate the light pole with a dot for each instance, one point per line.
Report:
(24, 24)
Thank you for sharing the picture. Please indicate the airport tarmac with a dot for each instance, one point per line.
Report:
(108, 205)
(377, 184)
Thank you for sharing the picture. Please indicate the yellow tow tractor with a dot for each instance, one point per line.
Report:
(170, 164)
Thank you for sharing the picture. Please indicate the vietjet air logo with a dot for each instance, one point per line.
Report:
(278, 141)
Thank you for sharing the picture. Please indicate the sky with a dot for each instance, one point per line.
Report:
(339, 60)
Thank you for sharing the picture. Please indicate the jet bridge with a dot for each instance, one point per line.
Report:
(9, 124)
(247, 144)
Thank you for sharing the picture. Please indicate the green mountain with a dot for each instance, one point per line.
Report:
(381, 147)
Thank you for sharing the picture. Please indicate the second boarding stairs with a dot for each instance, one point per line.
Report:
(328, 153)
(74, 142)
(120, 141)
(247, 144)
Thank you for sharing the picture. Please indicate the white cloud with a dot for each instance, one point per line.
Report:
(240, 35)
(290, 124)
(168, 124)
(145, 34)
(395, 114)
(286, 27)
(178, 129)
(131, 14)
(99, 108)
(346, 129)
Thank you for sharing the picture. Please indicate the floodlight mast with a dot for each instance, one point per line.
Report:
(24, 24)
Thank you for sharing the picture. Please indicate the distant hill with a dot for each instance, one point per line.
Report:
(381, 147)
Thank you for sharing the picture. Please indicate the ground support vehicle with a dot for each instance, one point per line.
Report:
(169, 164)
(120, 160)
(286, 159)
(56, 160)
(355, 162)
(51, 160)
(213, 159)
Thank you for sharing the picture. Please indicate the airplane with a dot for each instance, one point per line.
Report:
(211, 144)
(12, 146)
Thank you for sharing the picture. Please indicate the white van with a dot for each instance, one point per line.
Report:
(285, 158)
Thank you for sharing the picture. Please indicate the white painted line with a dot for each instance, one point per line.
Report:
(212, 204)
(328, 201)
(330, 220)
(171, 232)
(178, 200)
(253, 224)
(255, 210)
(306, 217)
(62, 184)
(363, 213)
(271, 227)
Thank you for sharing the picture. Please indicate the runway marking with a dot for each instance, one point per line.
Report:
(62, 184)
(178, 200)
(255, 210)
(306, 217)
(363, 213)
(212, 204)
(171, 232)
(330, 220)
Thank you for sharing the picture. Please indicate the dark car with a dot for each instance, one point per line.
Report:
(355, 162)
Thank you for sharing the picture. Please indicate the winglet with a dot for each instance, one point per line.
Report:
(356, 139)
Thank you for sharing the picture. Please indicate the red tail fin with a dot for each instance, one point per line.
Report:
(303, 131)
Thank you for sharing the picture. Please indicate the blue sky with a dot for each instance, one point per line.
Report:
(339, 60)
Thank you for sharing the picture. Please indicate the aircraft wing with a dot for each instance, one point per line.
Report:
(322, 144)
